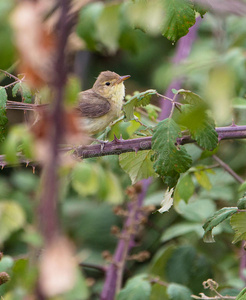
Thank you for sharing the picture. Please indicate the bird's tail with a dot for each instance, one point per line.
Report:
(23, 106)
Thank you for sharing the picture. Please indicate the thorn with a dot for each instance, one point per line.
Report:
(121, 138)
(33, 169)
(2, 166)
(233, 123)
(116, 140)
(136, 150)
(27, 164)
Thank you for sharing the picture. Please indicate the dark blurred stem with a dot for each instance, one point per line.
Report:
(48, 214)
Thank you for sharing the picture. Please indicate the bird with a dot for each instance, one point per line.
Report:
(97, 107)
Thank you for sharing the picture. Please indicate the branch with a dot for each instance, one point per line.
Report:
(119, 146)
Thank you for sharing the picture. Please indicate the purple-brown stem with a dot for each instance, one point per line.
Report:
(114, 275)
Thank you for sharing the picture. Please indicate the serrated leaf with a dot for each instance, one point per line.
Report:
(137, 165)
(200, 9)
(137, 288)
(203, 179)
(170, 159)
(140, 99)
(3, 97)
(12, 218)
(238, 224)
(184, 189)
(220, 216)
(167, 202)
(180, 16)
(177, 291)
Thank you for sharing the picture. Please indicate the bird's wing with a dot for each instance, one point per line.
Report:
(92, 105)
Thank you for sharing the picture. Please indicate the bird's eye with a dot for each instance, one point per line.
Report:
(107, 83)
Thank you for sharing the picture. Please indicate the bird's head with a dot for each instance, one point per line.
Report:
(110, 85)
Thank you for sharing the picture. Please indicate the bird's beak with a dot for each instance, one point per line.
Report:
(122, 78)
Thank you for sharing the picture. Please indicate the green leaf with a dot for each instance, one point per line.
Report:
(12, 218)
(25, 91)
(170, 159)
(238, 224)
(139, 99)
(158, 292)
(180, 16)
(203, 179)
(73, 87)
(242, 187)
(178, 292)
(179, 266)
(241, 204)
(108, 27)
(195, 118)
(137, 288)
(86, 28)
(3, 97)
(114, 193)
(215, 220)
(158, 264)
(3, 122)
(200, 9)
(181, 229)
(137, 165)
(184, 189)
(146, 15)
(242, 295)
(84, 179)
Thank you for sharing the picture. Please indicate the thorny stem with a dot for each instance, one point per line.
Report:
(114, 272)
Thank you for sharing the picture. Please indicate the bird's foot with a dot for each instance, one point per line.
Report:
(102, 142)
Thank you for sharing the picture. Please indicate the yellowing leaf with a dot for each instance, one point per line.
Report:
(203, 180)
(12, 218)
(238, 223)
(137, 165)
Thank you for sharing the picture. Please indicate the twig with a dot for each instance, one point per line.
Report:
(228, 169)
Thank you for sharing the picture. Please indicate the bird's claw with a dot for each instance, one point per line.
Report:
(103, 143)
